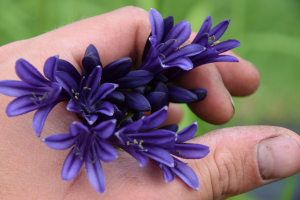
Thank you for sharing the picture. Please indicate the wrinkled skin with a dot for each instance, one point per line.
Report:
(31, 170)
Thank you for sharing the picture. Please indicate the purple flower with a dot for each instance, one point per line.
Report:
(184, 150)
(34, 92)
(87, 97)
(208, 37)
(90, 145)
(162, 50)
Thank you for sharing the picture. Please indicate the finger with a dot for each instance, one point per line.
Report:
(244, 158)
(117, 34)
(217, 107)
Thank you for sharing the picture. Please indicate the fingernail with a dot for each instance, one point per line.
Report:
(278, 157)
(231, 100)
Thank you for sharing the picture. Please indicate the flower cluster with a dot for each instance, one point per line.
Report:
(110, 101)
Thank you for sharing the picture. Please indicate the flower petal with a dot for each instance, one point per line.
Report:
(50, 68)
(91, 59)
(115, 97)
(40, 118)
(67, 67)
(168, 25)
(227, 45)
(21, 105)
(200, 92)
(29, 74)
(157, 24)
(105, 151)
(142, 159)
(186, 174)
(60, 141)
(92, 82)
(102, 91)
(135, 79)
(95, 174)
(72, 166)
(116, 69)
(219, 30)
(156, 119)
(188, 50)
(187, 133)
(105, 108)
(18, 88)
(168, 174)
(105, 129)
(136, 101)
(77, 128)
(67, 82)
(181, 62)
(226, 58)
(159, 155)
(180, 95)
(190, 151)
(155, 98)
(171, 127)
(205, 28)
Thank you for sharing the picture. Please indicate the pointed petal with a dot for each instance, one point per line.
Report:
(115, 97)
(188, 50)
(205, 28)
(92, 82)
(167, 172)
(133, 127)
(77, 128)
(67, 67)
(203, 57)
(181, 62)
(116, 69)
(219, 30)
(102, 91)
(90, 118)
(50, 68)
(168, 25)
(190, 151)
(155, 98)
(142, 159)
(181, 32)
(72, 106)
(187, 133)
(18, 88)
(126, 122)
(157, 24)
(227, 45)
(91, 59)
(140, 89)
(180, 95)
(105, 129)
(72, 166)
(105, 108)
(146, 48)
(21, 105)
(105, 151)
(226, 58)
(159, 155)
(67, 82)
(136, 101)
(156, 119)
(159, 137)
(200, 92)
(29, 74)
(95, 174)
(161, 87)
(59, 141)
(135, 79)
(186, 173)
(40, 118)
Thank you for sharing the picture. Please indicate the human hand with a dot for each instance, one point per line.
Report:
(31, 170)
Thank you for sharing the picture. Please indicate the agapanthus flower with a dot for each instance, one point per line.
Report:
(163, 48)
(186, 151)
(208, 38)
(89, 146)
(34, 92)
(142, 138)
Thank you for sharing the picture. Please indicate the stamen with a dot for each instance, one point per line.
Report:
(174, 40)
(87, 88)
(163, 56)
(128, 143)
(135, 141)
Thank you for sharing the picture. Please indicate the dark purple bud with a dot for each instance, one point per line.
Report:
(200, 92)
(116, 69)
(155, 98)
(180, 95)
(136, 102)
(171, 127)
(137, 116)
(115, 97)
(91, 59)
(135, 79)
(140, 90)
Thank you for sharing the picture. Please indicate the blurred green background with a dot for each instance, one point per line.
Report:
(268, 30)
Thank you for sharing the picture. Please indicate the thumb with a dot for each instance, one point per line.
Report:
(244, 158)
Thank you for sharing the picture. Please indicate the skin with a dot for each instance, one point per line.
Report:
(31, 170)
